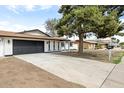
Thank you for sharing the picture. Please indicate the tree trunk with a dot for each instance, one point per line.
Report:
(80, 49)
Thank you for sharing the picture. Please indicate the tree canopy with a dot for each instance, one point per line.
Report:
(101, 20)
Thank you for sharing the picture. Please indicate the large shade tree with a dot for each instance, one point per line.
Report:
(80, 20)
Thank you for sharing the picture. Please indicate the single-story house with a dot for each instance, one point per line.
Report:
(90, 44)
(87, 44)
(32, 41)
(102, 43)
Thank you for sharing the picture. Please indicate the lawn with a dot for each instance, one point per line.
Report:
(99, 54)
(16, 73)
(117, 59)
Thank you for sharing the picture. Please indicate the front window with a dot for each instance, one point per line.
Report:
(62, 44)
(8, 41)
(53, 45)
(58, 45)
(49, 45)
(71, 44)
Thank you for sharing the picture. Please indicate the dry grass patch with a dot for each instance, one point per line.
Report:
(100, 55)
(16, 73)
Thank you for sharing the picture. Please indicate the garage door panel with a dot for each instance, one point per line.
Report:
(26, 47)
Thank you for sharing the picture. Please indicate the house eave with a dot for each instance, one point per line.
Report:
(32, 38)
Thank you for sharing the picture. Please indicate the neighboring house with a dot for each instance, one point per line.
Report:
(87, 44)
(90, 44)
(32, 41)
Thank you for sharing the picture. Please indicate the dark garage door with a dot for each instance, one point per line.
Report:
(26, 46)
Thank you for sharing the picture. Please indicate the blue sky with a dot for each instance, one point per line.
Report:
(25, 17)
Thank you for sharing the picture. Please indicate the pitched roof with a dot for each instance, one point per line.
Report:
(33, 31)
(21, 35)
(100, 41)
(87, 41)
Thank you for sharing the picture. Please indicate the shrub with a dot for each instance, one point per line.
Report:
(122, 45)
(98, 46)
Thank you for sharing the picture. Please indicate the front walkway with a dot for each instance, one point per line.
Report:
(86, 72)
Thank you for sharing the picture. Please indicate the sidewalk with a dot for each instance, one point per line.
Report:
(116, 78)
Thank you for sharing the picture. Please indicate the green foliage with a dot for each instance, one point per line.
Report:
(98, 46)
(119, 8)
(79, 19)
(110, 25)
(115, 40)
(103, 21)
(120, 13)
(122, 45)
(118, 40)
(120, 34)
(118, 58)
(120, 28)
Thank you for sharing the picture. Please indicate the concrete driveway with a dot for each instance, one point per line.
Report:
(86, 72)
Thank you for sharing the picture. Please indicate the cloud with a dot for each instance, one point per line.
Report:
(9, 26)
(4, 22)
(17, 8)
(13, 8)
(37, 7)
(29, 7)
(44, 7)
(19, 27)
